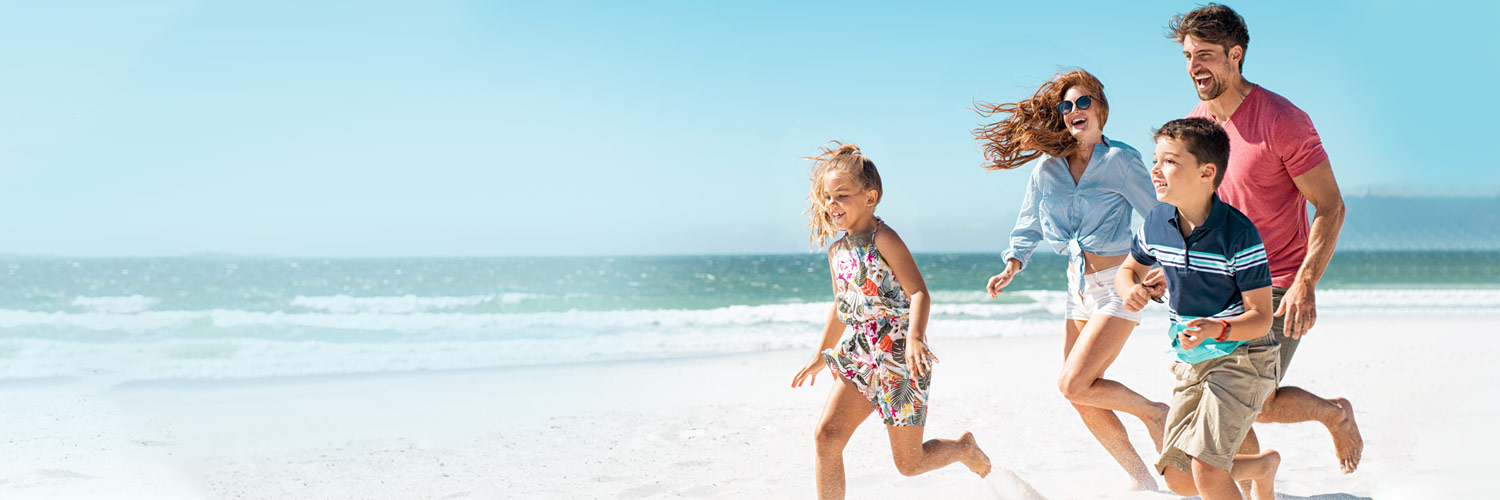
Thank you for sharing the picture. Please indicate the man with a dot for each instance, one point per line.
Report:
(1280, 166)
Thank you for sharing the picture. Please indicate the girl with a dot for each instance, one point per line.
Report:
(883, 363)
(1079, 199)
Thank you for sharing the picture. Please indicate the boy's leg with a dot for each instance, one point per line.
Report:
(914, 457)
(1214, 483)
(843, 412)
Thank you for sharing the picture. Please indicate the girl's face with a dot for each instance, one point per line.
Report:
(848, 203)
(1082, 123)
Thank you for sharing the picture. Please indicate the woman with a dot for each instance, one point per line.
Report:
(1079, 200)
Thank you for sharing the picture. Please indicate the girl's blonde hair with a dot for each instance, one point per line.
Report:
(842, 158)
(1033, 126)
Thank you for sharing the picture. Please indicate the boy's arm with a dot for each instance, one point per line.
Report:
(1249, 325)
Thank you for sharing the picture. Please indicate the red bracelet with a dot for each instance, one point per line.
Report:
(1223, 336)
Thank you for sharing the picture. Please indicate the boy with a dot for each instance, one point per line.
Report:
(1214, 267)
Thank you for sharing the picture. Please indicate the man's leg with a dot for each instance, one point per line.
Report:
(1291, 404)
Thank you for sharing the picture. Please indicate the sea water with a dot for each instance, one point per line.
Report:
(221, 318)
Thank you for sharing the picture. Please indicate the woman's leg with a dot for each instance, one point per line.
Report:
(1082, 380)
(1083, 348)
(843, 412)
(915, 457)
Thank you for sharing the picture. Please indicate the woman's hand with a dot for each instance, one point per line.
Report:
(999, 281)
(919, 359)
(809, 373)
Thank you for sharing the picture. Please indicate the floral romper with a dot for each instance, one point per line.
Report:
(872, 353)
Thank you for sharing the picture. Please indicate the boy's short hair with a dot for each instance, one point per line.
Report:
(1205, 140)
(1212, 23)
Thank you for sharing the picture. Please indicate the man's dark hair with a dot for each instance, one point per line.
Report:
(1212, 23)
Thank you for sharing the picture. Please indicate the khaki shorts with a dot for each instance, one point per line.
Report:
(1278, 325)
(1215, 402)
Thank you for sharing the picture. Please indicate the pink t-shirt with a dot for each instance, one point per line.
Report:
(1270, 142)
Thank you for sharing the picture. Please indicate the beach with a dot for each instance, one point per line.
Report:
(723, 426)
(652, 377)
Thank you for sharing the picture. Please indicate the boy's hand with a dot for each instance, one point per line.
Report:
(1199, 329)
(1139, 296)
(919, 360)
(809, 372)
(1187, 340)
(1156, 283)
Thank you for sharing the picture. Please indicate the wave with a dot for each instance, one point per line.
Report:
(115, 305)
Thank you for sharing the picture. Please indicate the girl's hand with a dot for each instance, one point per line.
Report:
(919, 359)
(809, 372)
(999, 281)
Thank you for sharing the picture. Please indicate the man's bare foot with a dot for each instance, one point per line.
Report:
(1346, 439)
(974, 458)
(1156, 424)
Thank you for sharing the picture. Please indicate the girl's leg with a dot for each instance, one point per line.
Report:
(843, 412)
(1082, 347)
(915, 457)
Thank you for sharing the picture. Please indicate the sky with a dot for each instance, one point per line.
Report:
(481, 128)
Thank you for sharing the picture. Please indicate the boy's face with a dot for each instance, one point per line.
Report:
(1178, 177)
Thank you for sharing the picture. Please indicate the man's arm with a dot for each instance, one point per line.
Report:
(1322, 190)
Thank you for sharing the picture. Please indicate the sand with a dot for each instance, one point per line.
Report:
(727, 427)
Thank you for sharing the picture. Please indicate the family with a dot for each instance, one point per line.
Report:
(1226, 245)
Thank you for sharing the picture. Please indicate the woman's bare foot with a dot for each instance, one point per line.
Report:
(1156, 424)
(1346, 439)
(1146, 483)
(974, 458)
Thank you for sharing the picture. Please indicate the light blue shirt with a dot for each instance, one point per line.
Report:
(1094, 212)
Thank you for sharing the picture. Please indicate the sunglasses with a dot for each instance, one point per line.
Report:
(1066, 107)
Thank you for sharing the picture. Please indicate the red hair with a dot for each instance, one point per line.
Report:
(1033, 126)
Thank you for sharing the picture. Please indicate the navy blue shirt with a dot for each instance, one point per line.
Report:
(1206, 271)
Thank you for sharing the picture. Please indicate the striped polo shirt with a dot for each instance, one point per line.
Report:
(1206, 271)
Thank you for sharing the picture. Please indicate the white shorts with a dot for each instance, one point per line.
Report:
(1097, 297)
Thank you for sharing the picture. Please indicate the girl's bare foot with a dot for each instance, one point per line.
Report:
(974, 458)
(1346, 439)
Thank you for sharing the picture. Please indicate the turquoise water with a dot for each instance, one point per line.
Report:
(258, 317)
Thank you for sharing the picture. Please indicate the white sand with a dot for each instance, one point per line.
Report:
(727, 427)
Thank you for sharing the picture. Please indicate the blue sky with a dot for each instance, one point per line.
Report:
(498, 128)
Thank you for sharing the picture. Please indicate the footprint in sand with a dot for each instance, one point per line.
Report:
(644, 491)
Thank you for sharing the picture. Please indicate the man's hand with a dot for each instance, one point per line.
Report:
(1299, 310)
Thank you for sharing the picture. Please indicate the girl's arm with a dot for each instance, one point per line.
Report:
(890, 246)
(832, 330)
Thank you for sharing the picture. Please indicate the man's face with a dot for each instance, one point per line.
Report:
(1209, 66)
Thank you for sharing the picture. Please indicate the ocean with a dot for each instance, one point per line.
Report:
(120, 320)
